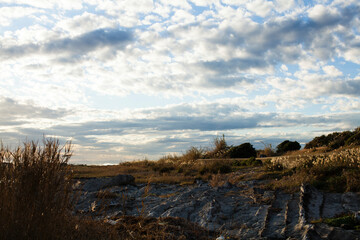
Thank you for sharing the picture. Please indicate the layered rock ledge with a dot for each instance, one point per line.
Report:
(241, 211)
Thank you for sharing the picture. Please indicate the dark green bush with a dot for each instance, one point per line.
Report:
(353, 140)
(336, 140)
(245, 150)
(287, 146)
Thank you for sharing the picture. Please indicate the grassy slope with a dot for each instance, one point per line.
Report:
(337, 171)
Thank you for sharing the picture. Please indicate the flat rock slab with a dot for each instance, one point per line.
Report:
(240, 211)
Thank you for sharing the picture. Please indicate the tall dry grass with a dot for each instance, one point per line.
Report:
(36, 199)
(337, 172)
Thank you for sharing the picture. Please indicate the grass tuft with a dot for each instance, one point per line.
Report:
(36, 199)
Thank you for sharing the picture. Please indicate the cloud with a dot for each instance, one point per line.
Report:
(157, 131)
(185, 117)
(323, 14)
(9, 14)
(284, 5)
(48, 4)
(332, 71)
(250, 68)
(15, 113)
(234, 65)
(79, 45)
(261, 8)
(86, 22)
(220, 81)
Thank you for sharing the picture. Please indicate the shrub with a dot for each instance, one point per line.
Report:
(336, 172)
(219, 149)
(237, 163)
(193, 154)
(341, 139)
(163, 167)
(216, 167)
(336, 140)
(244, 150)
(268, 151)
(353, 140)
(220, 144)
(287, 146)
(253, 162)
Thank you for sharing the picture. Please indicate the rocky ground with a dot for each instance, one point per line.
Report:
(241, 211)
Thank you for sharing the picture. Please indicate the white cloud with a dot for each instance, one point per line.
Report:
(9, 14)
(332, 71)
(204, 3)
(126, 12)
(182, 4)
(183, 17)
(284, 68)
(236, 2)
(284, 5)
(343, 104)
(322, 14)
(85, 22)
(261, 8)
(308, 62)
(352, 53)
(47, 4)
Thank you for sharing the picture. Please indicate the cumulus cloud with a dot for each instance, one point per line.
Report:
(8, 14)
(332, 71)
(261, 8)
(246, 68)
(149, 133)
(14, 113)
(86, 22)
(184, 117)
(283, 5)
(78, 45)
(49, 4)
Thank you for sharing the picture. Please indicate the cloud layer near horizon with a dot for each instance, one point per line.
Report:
(126, 80)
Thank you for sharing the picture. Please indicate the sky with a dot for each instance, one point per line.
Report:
(129, 80)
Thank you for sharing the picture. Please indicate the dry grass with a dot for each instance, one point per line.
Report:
(338, 171)
(166, 170)
(168, 228)
(36, 197)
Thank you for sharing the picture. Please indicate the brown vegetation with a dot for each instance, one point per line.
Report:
(171, 228)
(36, 196)
(36, 201)
(337, 172)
